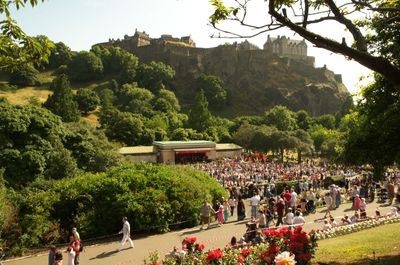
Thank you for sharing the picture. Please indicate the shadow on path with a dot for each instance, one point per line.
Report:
(107, 254)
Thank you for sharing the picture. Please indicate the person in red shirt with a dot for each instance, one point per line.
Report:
(287, 197)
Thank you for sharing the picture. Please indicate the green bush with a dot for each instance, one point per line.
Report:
(152, 196)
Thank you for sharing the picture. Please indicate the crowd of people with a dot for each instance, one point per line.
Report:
(252, 182)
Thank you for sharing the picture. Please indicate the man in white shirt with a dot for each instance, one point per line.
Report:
(126, 232)
(255, 202)
(293, 201)
(289, 217)
(298, 219)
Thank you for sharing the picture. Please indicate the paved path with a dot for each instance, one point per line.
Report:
(215, 237)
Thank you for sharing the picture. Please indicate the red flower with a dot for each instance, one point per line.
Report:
(295, 246)
(240, 260)
(305, 256)
(246, 252)
(273, 249)
(190, 240)
(200, 247)
(215, 254)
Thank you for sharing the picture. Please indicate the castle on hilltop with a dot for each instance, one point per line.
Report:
(281, 46)
(141, 39)
(285, 47)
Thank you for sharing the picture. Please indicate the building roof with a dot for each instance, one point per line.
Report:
(222, 147)
(136, 150)
(184, 144)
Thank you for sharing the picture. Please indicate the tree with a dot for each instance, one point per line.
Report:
(280, 117)
(17, 48)
(135, 99)
(262, 138)
(373, 136)
(244, 135)
(327, 120)
(31, 140)
(90, 148)
(318, 134)
(170, 100)
(303, 120)
(373, 26)
(62, 102)
(214, 90)
(283, 140)
(199, 115)
(154, 75)
(85, 66)
(125, 127)
(117, 61)
(304, 143)
(61, 54)
(87, 100)
(24, 76)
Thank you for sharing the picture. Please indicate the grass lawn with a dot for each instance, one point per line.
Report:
(358, 248)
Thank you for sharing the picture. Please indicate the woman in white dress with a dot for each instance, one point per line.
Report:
(70, 251)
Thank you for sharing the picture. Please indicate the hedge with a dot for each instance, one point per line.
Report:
(151, 196)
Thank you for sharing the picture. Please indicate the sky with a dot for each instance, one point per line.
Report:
(82, 23)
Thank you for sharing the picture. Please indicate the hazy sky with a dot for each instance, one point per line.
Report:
(82, 23)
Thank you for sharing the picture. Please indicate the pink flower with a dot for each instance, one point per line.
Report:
(285, 258)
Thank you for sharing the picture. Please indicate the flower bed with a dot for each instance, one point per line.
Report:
(351, 228)
(280, 247)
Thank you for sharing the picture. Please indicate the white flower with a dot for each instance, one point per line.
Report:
(285, 258)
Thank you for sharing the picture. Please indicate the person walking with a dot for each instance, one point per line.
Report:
(226, 211)
(77, 245)
(205, 214)
(255, 202)
(71, 250)
(241, 210)
(280, 208)
(232, 204)
(126, 232)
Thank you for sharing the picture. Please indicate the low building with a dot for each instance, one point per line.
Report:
(180, 152)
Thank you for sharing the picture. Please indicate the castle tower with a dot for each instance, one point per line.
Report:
(141, 39)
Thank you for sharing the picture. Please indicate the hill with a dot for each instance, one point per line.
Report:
(256, 79)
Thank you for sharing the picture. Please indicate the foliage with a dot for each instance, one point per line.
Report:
(280, 117)
(199, 115)
(327, 120)
(154, 75)
(118, 62)
(152, 196)
(87, 100)
(214, 90)
(28, 135)
(303, 120)
(136, 100)
(90, 148)
(24, 76)
(374, 136)
(60, 55)
(17, 48)
(85, 66)
(125, 127)
(62, 101)
(34, 143)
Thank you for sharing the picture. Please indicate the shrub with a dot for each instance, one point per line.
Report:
(151, 196)
(25, 76)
